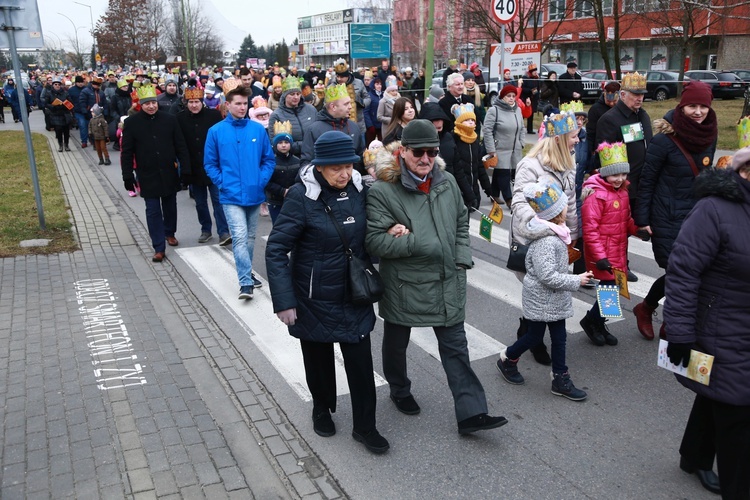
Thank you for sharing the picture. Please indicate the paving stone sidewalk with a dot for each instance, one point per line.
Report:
(115, 382)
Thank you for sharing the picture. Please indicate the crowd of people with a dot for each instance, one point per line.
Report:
(344, 162)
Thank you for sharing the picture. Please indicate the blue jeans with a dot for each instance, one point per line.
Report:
(161, 219)
(243, 221)
(534, 336)
(200, 195)
(83, 127)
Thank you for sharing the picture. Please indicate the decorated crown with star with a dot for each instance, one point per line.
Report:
(560, 124)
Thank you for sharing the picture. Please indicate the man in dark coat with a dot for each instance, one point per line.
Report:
(628, 115)
(169, 97)
(194, 122)
(334, 116)
(91, 95)
(452, 68)
(569, 84)
(606, 101)
(454, 95)
(152, 140)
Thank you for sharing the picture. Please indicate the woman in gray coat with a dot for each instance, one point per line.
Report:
(504, 135)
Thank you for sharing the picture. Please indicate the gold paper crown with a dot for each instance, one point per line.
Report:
(611, 154)
(743, 132)
(193, 93)
(282, 128)
(340, 66)
(231, 84)
(572, 107)
(276, 81)
(368, 74)
(146, 92)
(290, 83)
(560, 124)
(336, 92)
(634, 82)
(259, 102)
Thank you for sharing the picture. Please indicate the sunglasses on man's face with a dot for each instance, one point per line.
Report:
(419, 153)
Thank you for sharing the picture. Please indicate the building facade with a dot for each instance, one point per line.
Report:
(650, 33)
(323, 38)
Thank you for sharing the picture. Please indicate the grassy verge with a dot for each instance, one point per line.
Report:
(20, 220)
(727, 113)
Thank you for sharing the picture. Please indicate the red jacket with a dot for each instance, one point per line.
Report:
(607, 223)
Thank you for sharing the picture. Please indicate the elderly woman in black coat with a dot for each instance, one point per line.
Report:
(684, 145)
(309, 290)
(708, 309)
(60, 117)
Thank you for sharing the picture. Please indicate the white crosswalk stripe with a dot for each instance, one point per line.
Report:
(215, 267)
(636, 246)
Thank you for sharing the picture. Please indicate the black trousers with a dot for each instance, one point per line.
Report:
(320, 371)
(63, 134)
(721, 430)
(502, 183)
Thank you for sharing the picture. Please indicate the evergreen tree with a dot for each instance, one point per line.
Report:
(247, 49)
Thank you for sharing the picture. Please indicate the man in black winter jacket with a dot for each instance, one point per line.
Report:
(569, 84)
(152, 140)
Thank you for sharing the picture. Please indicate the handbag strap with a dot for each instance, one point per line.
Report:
(347, 250)
(688, 156)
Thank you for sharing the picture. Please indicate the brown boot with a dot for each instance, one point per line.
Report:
(643, 316)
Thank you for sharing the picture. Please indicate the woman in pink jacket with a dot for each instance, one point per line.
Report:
(607, 223)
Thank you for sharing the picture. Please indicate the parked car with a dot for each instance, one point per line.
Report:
(662, 85)
(599, 75)
(724, 84)
(742, 73)
(591, 88)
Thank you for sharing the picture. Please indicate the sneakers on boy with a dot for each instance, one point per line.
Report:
(590, 326)
(225, 239)
(509, 369)
(204, 237)
(256, 282)
(246, 292)
(563, 386)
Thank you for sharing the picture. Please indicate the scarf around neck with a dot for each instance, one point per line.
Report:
(695, 137)
(561, 230)
(465, 133)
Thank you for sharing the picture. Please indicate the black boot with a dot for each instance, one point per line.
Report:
(539, 351)
(59, 148)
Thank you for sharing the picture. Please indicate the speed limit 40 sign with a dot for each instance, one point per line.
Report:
(504, 11)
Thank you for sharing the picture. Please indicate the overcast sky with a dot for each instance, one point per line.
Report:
(266, 21)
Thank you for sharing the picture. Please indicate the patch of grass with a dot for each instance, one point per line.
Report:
(727, 112)
(20, 219)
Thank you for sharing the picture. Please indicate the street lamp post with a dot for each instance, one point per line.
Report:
(93, 36)
(75, 28)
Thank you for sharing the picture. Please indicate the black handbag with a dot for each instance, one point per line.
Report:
(365, 286)
(517, 254)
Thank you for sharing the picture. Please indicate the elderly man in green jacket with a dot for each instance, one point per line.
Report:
(417, 224)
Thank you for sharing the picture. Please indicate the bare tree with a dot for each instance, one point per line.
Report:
(529, 25)
(684, 22)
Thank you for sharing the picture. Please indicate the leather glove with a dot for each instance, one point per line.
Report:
(475, 203)
(679, 353)
(604, 265)
(130, 184)
(288, 316)
(643, 234)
